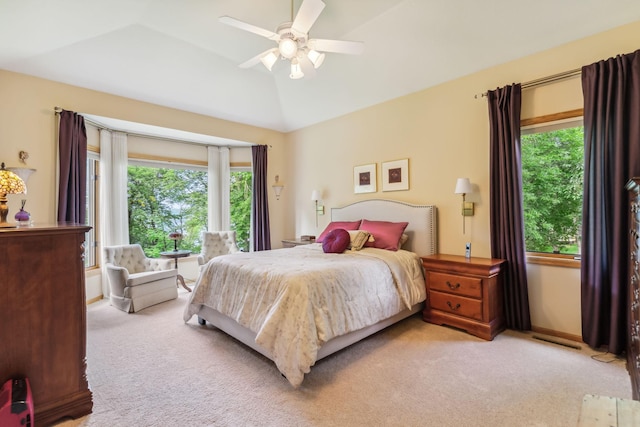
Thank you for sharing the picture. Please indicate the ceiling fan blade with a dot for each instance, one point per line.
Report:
(248, 27)
(307, 15)
(256, 59)
(337, 46)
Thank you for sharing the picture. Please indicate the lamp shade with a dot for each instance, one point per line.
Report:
(296, 69)
(269, 59)
(316, 58)
(315, 195)
(463, 186)
(10, 183)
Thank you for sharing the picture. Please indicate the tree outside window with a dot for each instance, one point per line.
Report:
(163, 200)
(552, 171)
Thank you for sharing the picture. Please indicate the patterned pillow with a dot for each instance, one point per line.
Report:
(358, 238)
(336, 241)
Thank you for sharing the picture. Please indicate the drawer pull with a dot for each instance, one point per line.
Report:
(453, 287)
(452, 307)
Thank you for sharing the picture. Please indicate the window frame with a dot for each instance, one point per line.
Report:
(93, 212)
(544, 258)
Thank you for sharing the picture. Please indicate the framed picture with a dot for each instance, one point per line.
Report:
(395, 175)
(364, 179)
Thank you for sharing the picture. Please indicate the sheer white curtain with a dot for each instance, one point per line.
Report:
(114, 224)
(219, 177)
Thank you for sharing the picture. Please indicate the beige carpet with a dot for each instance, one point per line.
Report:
(152, 369)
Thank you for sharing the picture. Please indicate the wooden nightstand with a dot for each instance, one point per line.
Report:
(465, 293)
(289, 243)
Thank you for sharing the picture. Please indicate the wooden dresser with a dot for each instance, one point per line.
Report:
(633, 337)
(465, 293)
(43, 317)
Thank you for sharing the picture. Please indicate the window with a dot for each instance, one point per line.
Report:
(91, 243)
(240, 196)
(552, 172)
(166, 198)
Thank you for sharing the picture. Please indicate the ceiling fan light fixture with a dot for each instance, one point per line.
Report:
(316, 58)
(296, 70)
(288, 48)
(269, 59)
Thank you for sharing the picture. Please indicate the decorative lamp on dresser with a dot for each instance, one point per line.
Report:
(633, 310)
(465, 293)
(43, 318)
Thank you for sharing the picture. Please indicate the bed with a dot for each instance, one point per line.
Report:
(298, 305)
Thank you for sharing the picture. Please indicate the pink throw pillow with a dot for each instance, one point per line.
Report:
(386, 234)
(345, 225)
(336, 241)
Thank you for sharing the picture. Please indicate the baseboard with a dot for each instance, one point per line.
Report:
(95, 299)
(557, 334)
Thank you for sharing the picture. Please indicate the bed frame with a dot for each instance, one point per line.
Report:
(422, 240)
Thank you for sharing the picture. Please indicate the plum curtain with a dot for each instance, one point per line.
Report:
(72, 157)
(611, 90)
(506, 214)
(261, 234)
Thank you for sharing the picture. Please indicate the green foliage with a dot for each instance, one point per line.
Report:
(165, 200)
(552, 171)
(240, 198)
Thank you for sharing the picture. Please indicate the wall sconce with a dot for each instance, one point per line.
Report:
(23, 172)
(463, 186)
(315, 196)
(277, 187)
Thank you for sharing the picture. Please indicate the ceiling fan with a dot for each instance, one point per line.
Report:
(293, 41)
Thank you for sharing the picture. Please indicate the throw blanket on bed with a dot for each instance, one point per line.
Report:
(298, 298)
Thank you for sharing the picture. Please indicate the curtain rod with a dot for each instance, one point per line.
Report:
(543, 80)
(100, 126)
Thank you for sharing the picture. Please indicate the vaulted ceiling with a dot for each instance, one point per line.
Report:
(176, 53)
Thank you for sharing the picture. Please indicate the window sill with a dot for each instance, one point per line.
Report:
(556, 260)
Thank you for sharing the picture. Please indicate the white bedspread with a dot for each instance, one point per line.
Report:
(296, 299)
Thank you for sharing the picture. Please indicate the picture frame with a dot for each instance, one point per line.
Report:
(395, 175)
(364, 179)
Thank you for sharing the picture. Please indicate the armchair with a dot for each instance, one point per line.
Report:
(216, 243)
(136, 281)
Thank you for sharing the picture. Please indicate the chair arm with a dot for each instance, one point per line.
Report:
(118, 277)
(201, 260)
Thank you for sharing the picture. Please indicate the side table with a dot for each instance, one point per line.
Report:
(465, 293)
(175, 255)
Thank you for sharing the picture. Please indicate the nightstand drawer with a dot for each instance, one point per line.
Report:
(459, 285)
(460, 306)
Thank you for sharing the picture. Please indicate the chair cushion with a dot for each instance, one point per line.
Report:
(136, 279)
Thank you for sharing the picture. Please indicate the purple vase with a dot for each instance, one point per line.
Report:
(22, 215)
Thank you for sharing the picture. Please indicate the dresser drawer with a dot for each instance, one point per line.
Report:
(460, 306)
(458, 285)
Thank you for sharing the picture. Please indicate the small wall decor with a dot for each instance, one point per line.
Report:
(364, 178)
(395, 175)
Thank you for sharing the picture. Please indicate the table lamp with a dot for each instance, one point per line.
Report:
(10, 183)
(175, 236)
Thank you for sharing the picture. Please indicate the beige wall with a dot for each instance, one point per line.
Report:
(444, 133)
(27, 122)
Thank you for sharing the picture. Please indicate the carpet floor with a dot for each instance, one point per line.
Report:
(152, 369)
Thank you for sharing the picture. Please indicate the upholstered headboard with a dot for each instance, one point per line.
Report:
(421, 218)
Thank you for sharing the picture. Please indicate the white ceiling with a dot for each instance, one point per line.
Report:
(175, 52)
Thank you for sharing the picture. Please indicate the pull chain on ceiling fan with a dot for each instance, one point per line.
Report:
(304, 54)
